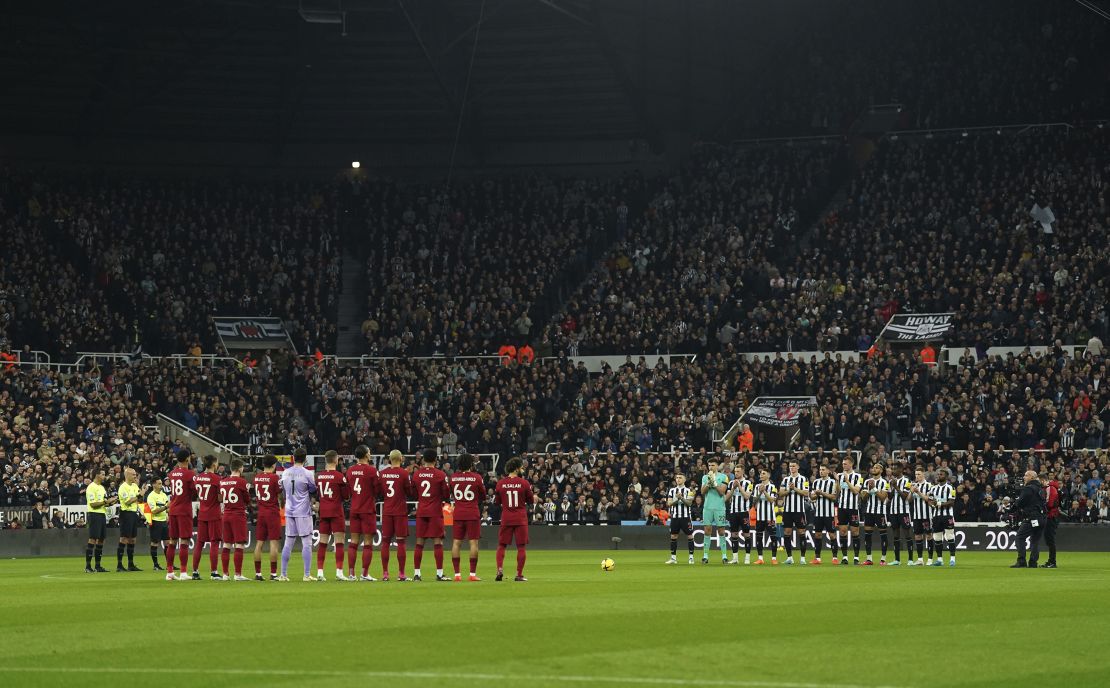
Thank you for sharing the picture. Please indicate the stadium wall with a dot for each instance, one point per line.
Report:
(21, 544)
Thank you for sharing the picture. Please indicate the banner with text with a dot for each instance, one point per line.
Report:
(256, 333)
(917, 327)
(779, 412)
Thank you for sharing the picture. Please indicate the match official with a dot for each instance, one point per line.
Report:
(130, 501)
(97, 502)
(1030, 508)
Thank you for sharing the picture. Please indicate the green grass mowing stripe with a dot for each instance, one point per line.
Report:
(970, 625)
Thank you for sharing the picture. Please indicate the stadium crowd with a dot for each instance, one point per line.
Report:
(135, 263)
(459, 270)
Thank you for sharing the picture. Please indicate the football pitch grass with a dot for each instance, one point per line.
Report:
(643, 624)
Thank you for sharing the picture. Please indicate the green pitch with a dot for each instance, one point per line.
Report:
(644, 624)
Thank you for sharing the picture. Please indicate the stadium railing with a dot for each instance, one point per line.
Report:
(200, 443)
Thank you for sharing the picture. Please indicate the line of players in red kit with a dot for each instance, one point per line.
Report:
(364, 486)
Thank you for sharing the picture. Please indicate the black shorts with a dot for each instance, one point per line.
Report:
(823, 524)
(681, 525)
(766, 527)
(874, 520)
(98, 526)
(847, 517)
(900, 521)
(738, 522)
(921, 526)
(943, 523)
(128, 524)
(159, 531)
(794, 519)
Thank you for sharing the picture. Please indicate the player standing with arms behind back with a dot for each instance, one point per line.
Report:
(298, 486)
(331, 489)
(430, 484)
(795, 499)
(514, 494)
(469, 492)
(396, 488)
(679, 499)
(362, 481)
(234, 496)
(267, 526)
(182, 492)
(209, 518)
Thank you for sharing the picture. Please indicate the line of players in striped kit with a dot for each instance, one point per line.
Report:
(916, 512)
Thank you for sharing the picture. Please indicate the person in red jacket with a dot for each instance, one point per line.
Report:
(1052, 499)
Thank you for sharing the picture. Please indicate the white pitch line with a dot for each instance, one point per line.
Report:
(455, 676)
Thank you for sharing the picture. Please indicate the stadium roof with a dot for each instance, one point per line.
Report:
(256, 70)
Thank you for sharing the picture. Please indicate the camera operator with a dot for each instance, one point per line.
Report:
(1030, 508)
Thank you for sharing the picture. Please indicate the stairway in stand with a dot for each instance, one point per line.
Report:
(351, 307)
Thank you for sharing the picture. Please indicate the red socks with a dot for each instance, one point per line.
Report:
(385, 557)
(196, 555)
(500, 557)
(183, 555)
(367, 555)
(438, 551)
(214, 555)
(456, 562)
(273, 568)
(474, 566)
(401, 556)
(339, 556)
(521, 555)
(258, 567)
(226, 559)
(321, 554)
(352, 556)
(171, 554)
(238, 561)
(418, 554)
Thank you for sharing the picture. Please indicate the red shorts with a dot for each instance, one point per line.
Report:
(429, 526)
(507, 533)
(209, 531)
(268, 526)
(332, 524)
(470, 529)
(181, 527)
(235, 528)
(394, 526)
(365, 524)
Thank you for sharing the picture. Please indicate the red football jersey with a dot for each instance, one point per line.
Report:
(208, 494)
(182, 492)
(515, 496)
(234, 495)
(331, 488)
(267, 490)
(430, 484)
(362, 481)
(396, 488)
(469, 491)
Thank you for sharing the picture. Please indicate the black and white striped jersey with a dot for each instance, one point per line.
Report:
(765, 497)
(919, 508)
(680, 509)
(794, 503)
(737, 503)
(897, 504)
(848, 499)
(944, 492)
(824, 507)
(875, 504)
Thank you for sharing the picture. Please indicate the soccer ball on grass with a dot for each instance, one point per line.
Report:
(608, 564)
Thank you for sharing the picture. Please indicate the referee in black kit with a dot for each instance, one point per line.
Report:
(1030, 508)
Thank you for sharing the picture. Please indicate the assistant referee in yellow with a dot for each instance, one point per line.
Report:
(130, 505)
(97, 501)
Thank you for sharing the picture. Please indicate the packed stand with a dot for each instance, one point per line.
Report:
(57, 431)
(461, 269)
(665, 286)
(946, 225)
(147, 263)
(948, 64)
